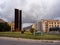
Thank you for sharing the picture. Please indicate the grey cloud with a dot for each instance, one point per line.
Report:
(50, 9)
(7, 9)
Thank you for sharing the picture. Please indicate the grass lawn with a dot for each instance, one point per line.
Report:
(28, 35)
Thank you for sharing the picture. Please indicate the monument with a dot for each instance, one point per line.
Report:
(18, 20)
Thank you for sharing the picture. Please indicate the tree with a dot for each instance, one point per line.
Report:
(4, 27)
(32, 30)
(22, 32)
(1, 26)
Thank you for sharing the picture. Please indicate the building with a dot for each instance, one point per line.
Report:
(18, 20)
(27, 28)
(2, 21)
(37, 26)
(45, 25)
(11, 24)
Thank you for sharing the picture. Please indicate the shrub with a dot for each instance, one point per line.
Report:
(4, 27)
(32, 30)
(22, 32)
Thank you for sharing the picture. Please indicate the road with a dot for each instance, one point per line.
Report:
(21, 42)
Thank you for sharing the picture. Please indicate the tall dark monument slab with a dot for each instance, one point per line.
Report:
(18, 20)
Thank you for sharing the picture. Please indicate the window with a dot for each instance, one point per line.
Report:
(55, 25)
(55, 22)
(52, 22)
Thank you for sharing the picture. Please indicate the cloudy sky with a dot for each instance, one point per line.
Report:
(32, 9)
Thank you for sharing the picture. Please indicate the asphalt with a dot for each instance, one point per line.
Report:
(20, 41)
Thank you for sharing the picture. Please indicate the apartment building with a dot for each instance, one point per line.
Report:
(45, 25)
(37, 26)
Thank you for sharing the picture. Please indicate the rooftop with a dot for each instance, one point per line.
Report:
(1, 20)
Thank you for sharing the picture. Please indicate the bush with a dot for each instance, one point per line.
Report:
(32, 30)
(4, 27)
(22, 32)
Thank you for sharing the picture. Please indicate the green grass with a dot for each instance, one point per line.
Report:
(28, 35)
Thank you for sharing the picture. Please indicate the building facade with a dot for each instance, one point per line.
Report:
(37, 26)
(45, 25)
(11, 24)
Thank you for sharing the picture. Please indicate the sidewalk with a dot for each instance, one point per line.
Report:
(30, 40)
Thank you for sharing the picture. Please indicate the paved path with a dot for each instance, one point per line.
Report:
(14, 41)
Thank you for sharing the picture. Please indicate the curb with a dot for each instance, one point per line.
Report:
(31, 40)
(46, 41)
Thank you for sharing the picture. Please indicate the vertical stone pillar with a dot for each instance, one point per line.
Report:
(16, 19)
